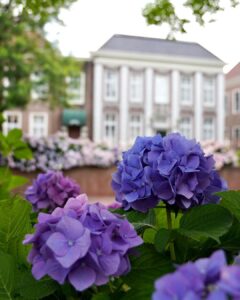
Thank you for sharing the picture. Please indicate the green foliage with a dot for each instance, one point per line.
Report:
(210, 221)
(28, 61)
(7, 271)
(146, 267)
(162, 12)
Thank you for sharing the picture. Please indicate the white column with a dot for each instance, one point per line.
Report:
(148, 109)
(97, 103)
(198, 107)
(175, 100)
(123, 124)
(220, 108)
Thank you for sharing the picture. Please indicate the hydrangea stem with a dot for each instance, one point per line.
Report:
(169, 224)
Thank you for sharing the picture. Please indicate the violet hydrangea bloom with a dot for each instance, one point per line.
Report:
(206, 279)
(83, 244)
(51, 190)
(172, 169)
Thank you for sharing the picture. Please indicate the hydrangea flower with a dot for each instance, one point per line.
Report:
(206, 279)
(50, 190)
(172, 169)
(83, 244)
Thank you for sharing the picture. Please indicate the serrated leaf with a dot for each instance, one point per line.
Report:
(7, 271)
(15, 221)
(210, 220)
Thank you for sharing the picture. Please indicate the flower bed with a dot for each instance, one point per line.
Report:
(60, 152)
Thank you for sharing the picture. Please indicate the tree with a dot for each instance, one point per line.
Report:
(163, 11)
(28, 61)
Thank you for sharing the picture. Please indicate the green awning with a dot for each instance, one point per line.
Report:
(74, 117)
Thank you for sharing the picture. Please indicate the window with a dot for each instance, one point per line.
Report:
(186, 127)
(40, 87)
(236, 133)
(208, 128)
(111, 84)
(226, 105)
(136, 86)
(186, 89)
(161, 89)
(135, 126)
(110, 129)
(209, 91)
(12, 120)
(38, 125)
(76, 89)
(236, 102)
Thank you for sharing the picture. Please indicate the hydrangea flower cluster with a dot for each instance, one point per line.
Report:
(206, 279)
(171, 168)
(83, 244)
(59, 152)
(222, 153)
(51, 190)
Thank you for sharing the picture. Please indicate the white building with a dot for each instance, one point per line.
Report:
(143, 86)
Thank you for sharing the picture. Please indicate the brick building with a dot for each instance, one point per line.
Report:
(232, 106)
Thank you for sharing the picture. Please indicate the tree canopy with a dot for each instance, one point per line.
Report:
(162, 12)
(28, 61)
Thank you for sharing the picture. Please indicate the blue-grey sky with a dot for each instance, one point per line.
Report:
(89, 23)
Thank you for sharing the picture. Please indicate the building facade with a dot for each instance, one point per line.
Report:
(232, 106)
(38, 119)
(143, 86)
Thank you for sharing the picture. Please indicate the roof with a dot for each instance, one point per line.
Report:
(146, 45)
(235, 71)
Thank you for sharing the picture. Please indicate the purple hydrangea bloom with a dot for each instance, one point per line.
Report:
(51, 190)
(83, 244)
(172, 169)
(206, 279)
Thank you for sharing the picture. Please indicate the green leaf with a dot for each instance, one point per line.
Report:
(149, 235)
(31, 289)
(17, 181)
(101, 296)
(162, 238)
(7, 271)
(141, 221)
(22, 153)
(14, 135)
(146, 268)
(210, 220)
(15, 221)
(231, 240)
(231, 201)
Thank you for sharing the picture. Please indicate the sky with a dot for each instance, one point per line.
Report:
(90, 23)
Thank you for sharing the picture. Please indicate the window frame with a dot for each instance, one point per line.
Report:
(233, 133)
(158, 98)
(234, 93)
(110, 123)
(110, 98)
(139, 85)
(207, 103)
(190, 136)
(6, 114)
(182, 100)
(31, 123)
(134, 126)
(213, 127)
